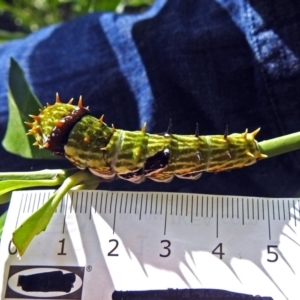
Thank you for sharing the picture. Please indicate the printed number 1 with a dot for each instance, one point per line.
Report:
(62, 247)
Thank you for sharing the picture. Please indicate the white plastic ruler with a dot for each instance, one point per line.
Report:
(107, 241)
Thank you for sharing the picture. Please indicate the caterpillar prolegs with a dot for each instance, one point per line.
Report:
(70, 131)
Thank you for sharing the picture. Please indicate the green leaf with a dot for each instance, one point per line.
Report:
(4, 197)
(2, 222)
(7, 35)
(137, 2)
(35, 224)
(39, 220)
(105, 5)
(21, 103)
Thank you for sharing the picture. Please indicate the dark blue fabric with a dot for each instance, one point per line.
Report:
(219, 62)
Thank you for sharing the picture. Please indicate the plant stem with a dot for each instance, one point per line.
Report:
(280, 145)
(13, 181)
(38, 175)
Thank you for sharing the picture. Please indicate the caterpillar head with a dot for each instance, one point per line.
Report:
(52, 126)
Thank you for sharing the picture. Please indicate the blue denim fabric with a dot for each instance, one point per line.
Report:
(220, 62)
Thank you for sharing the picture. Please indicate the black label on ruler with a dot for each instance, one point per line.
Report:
(40, 282)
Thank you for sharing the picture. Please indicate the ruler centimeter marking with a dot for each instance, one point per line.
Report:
(137, 203)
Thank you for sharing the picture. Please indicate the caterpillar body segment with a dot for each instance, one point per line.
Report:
(88, 142)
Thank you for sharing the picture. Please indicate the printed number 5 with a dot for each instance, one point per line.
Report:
(272, 252)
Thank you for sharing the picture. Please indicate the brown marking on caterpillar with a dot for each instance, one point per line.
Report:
(59, 135)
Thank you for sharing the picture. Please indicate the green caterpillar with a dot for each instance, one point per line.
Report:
(86, 141)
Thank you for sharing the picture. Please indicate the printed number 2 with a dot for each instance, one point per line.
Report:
(110, 253)
(220, 252)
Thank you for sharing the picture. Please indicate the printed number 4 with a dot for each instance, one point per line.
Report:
(220, 251)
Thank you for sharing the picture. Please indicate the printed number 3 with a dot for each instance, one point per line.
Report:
(166, 247)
